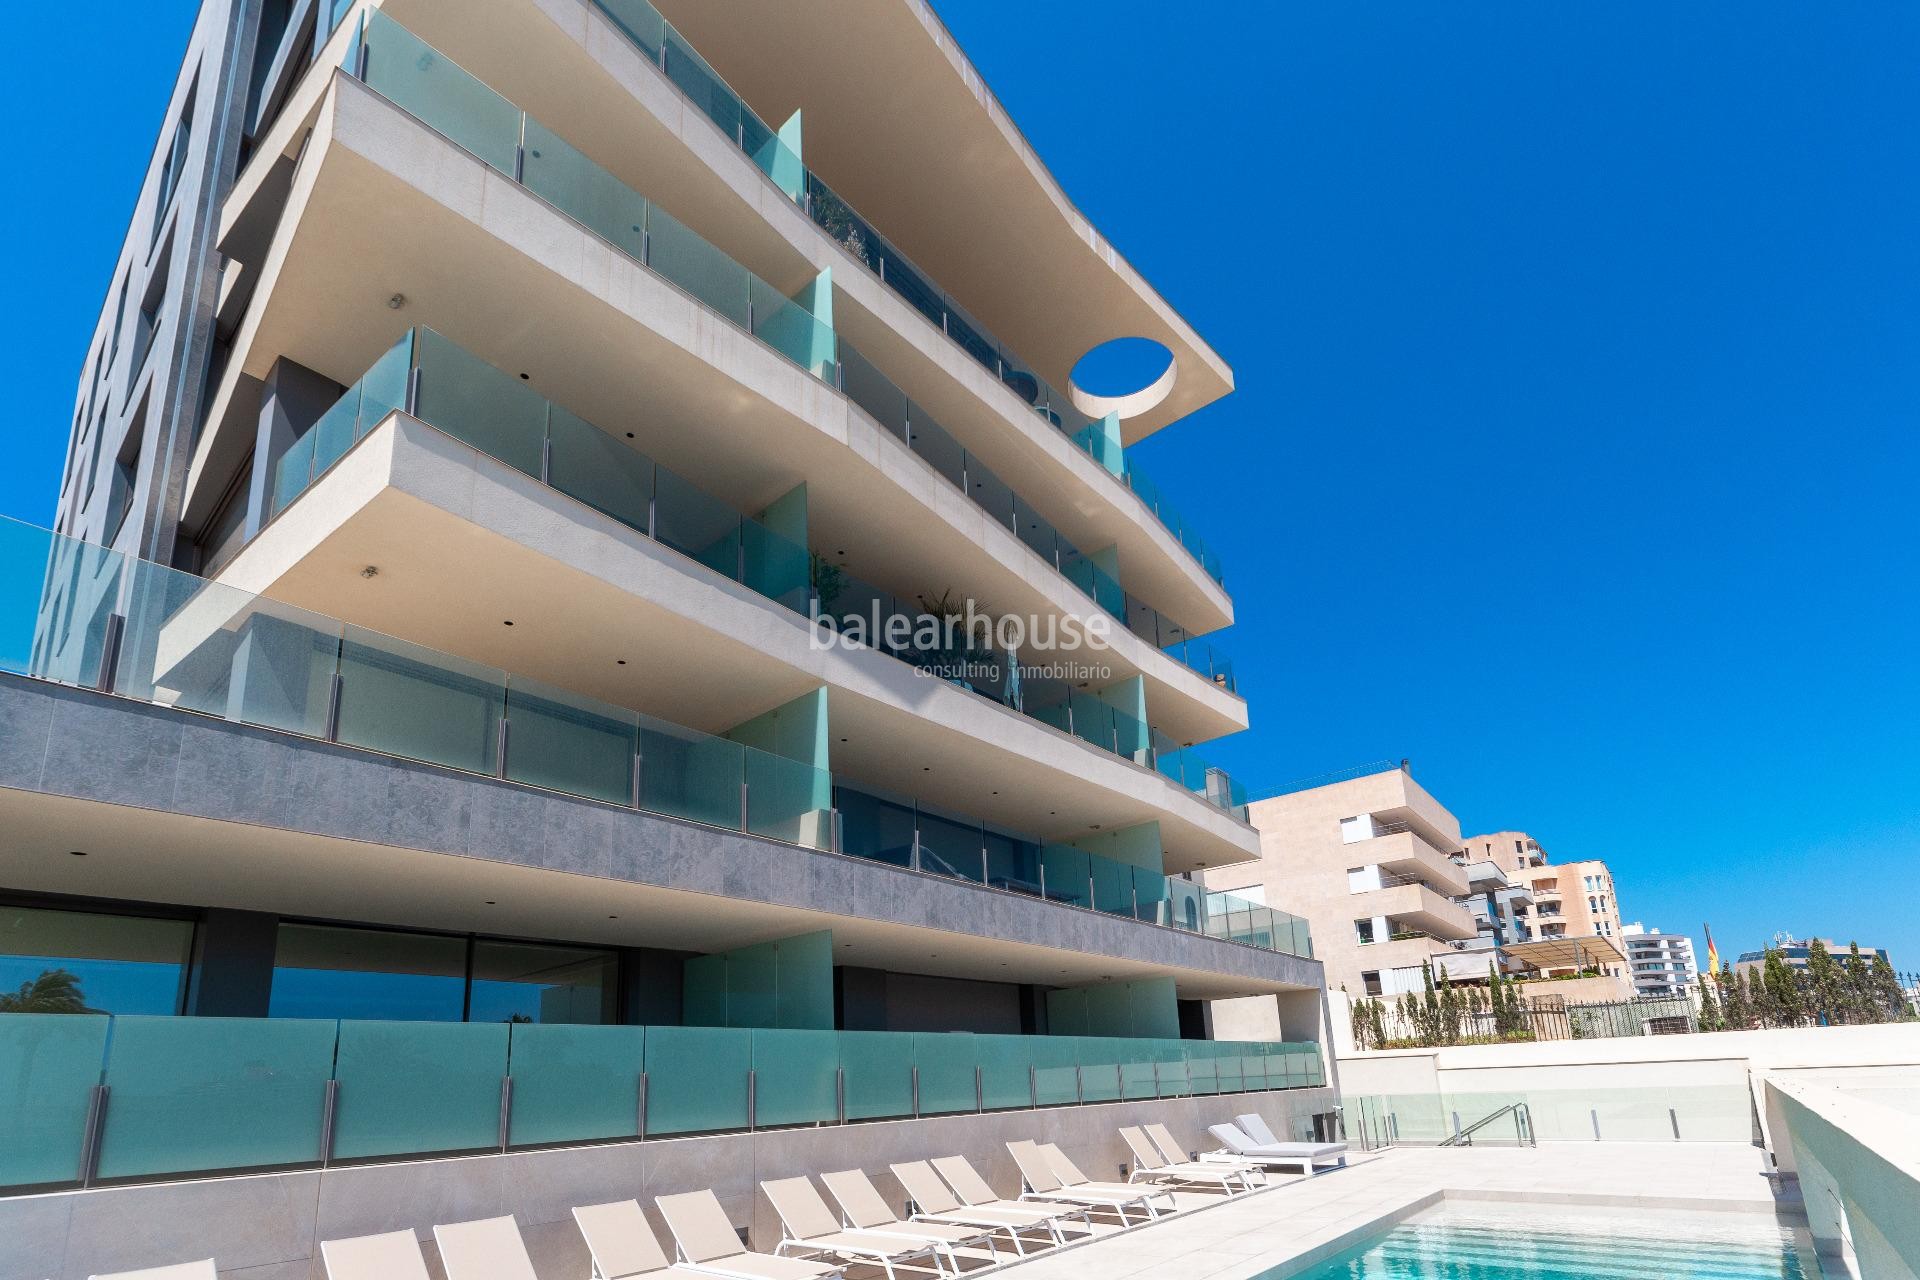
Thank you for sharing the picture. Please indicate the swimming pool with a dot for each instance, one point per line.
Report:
(1553, 1242)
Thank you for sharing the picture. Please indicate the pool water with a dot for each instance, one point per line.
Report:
(1551, 1242)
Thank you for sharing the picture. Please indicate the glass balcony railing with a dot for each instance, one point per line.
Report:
(227, 1095)
(456, 392)
(414, 76)
(649, 31)
(450, 389)
(409, 72)
(80, 614)
(914, 427)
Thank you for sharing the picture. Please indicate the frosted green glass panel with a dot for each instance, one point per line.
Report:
(481, 406)
(566, 179)
(1200, 1070)
(1005, 1064)
(697, 1079)
(383, 388)
(1056, 1069)
(202, 1094)
(641, 22)
(293, 472)
(879, 1073)
(795, 1077)
(1067, 874)
(409, 1088)
(564, 742)
(696, 524)
(946, 1064)
(691, 775)
(219, 651)
(417, 77)
(333, 433)
(404, 700)
(696, 266)
(1170, 1066)
(1226, 1067)
(777, 568)
(1138, 1078)
(575, 1083)
(1112, 886)
(1110, 1009)
(1100, 1059)
(788, 800)
(587, 464)
(804, 984)
(50, 1063)
(753, 980)
(790, 328)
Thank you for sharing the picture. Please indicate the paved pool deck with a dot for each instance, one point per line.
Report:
(1300, 1222)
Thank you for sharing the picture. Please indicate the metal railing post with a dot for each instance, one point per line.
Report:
(636, 782)
(916, 1092)
(329, 1108)
(979, 1089)
(640, 1119)
(500, 756)
(91, 1137)
(333, 708)
(506, 1109)
(1033, 1086)
(743, 804)
(753, 1100)
(840, 1093)
(1079, 1086)
(110, 652)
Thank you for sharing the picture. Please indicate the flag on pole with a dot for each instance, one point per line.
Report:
(1713, 954)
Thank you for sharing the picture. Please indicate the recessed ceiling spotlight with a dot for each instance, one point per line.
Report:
(629, 435)
(396, 302)
(619, 662)
(525, 378)
(492, 903)
(371, 571)
(507, 622)
(76, 853)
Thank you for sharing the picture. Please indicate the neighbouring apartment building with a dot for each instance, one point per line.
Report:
(1390, 890)
(1569, 900)
(1795, 952)
(439, 720)
(1662, 963)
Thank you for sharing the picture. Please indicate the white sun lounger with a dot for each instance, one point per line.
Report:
(394, 1255)
(808, 1226)
(1305, 1156)
(1174, 1153)
(863, 1208)
(624, 1247)
(181, 1271)
(1149, 1164)
(1042, 1183)
(488, 1249)
(1073, 1180)
(707, 1242)
(935, 1201)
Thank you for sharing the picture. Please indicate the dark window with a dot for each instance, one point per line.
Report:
(82, 962)
(324, 972)
(1370, 983)
(531, 982)
(1363, 929)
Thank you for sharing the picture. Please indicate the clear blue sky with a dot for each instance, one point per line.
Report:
(1578, 351)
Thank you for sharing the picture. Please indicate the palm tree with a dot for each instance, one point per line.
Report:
(55, 991)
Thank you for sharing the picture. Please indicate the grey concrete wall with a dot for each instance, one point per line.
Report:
(269, 1227)
(70, 742)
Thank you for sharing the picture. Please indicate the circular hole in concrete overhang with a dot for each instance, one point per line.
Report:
(1124, 376)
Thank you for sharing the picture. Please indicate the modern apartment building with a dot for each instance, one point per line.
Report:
(1571, 900)
(1795, 952)
(443, 721)
(1368, 861)
(1662, 964)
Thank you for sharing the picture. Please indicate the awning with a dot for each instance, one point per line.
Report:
(1566, 953)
